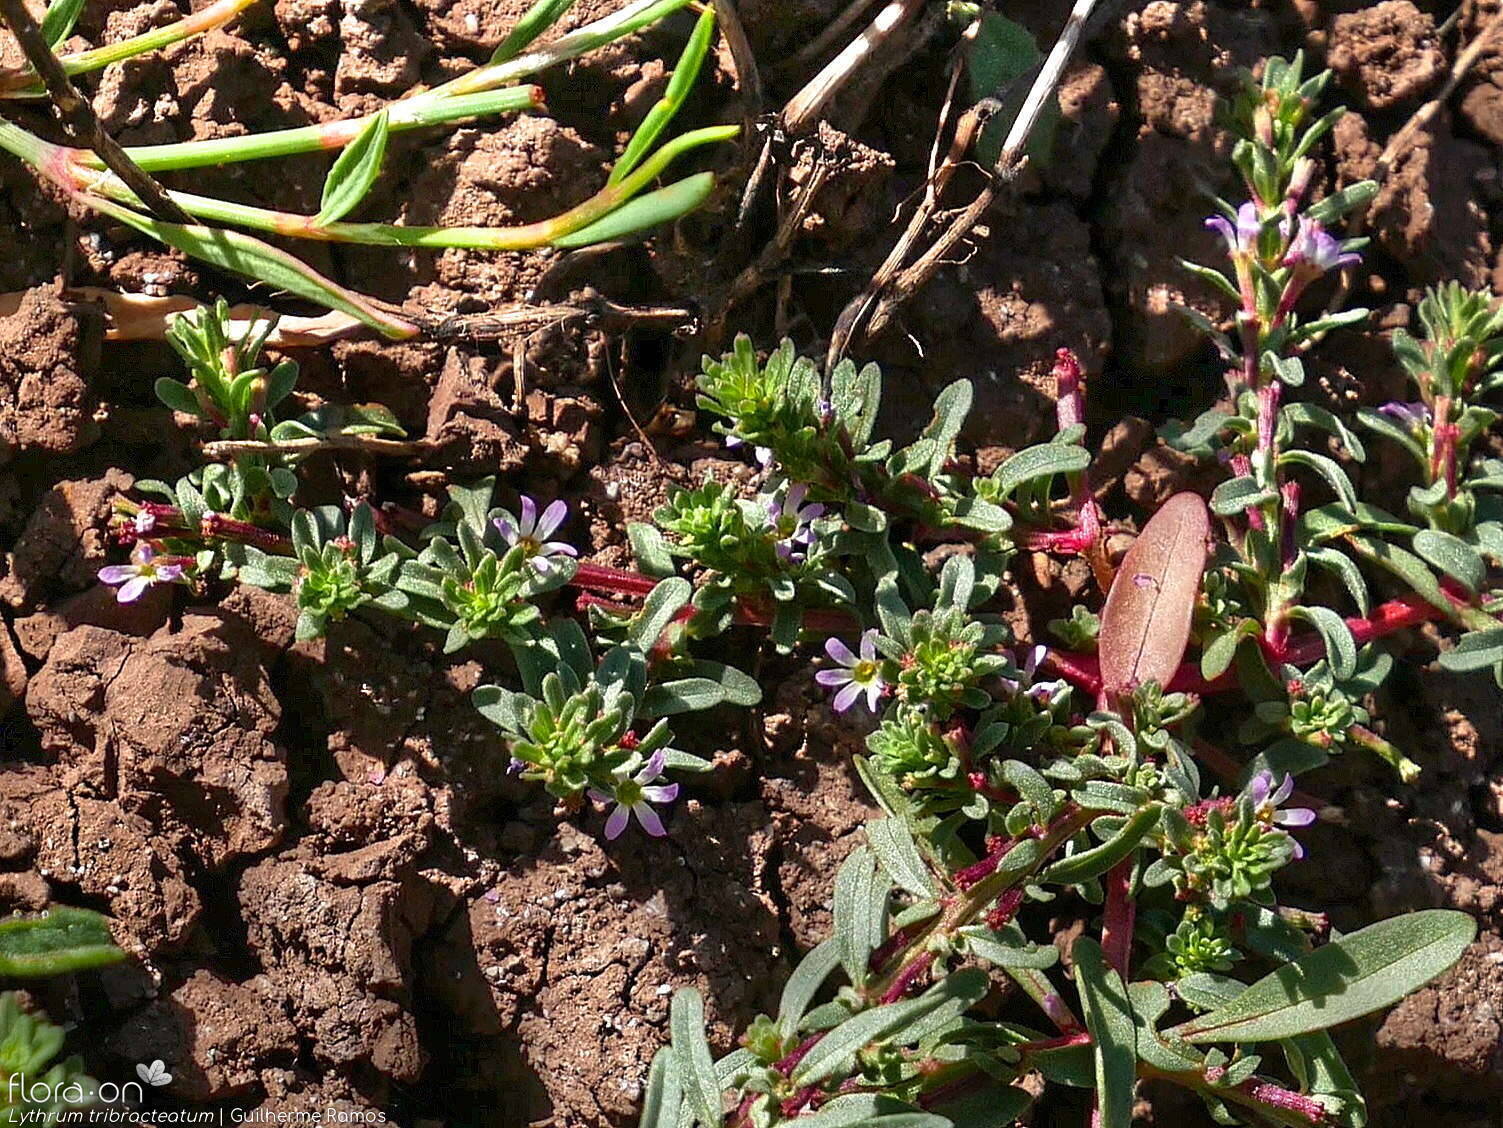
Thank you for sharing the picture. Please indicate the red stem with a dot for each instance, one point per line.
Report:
(1084, 670)
(1121, 915)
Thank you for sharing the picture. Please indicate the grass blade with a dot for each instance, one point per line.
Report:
(658, 118)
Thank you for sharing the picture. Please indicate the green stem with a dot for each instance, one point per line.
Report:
(388, 234)
(21, 82)
(607, 29)
(410, 113)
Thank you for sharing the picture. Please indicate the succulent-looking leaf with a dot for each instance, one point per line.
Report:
(1362, 972)
(664, 1096)
(1145, 624)
(59, 940)
(1108, 1016)
(670, 202)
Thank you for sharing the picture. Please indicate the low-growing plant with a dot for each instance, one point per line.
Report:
(1010, 774)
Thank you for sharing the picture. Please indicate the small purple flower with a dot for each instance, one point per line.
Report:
(856, 674)
(1038, 690)
(792, 521)
(1241, 239)
(1412, 417)
(145, 521)
(143, 571)
(532, 532)
(632, 796)
(1313, 251)
(1265, 799)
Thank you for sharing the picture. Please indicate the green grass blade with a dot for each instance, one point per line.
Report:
(678, 198)
(251, 258)
(536, 20)
(658, 118)
(405, 114)
(58, 23)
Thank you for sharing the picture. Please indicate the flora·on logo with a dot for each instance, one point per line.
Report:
(154, 1074)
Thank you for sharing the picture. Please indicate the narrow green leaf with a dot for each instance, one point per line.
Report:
(805, 983)
(1380, 424)
(1362, 972)
(1328, 469)
(860, 911)
(649, 549)
(660, 206)
(892, 842)
(1237, 495)
(834, 1052)
(1478, 650)
(59, 940)
(1313, 415)
(871, 1110)
(664, 1095)
(1341, 647)
(691, 1054)
(1095, 862)
(251, 258)
(681, 695)
(536, 20)
(1345, 569)
(663, 602)
(1108, 1016)
(1008, 947)
(1042, 461)
(58, 23)
(690, 63)
(354, 171)
(177, 396)
(1453, 556)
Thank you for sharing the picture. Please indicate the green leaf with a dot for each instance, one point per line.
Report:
(1337, 204)
(860, 911)
(979, 514)
(681, 695)
(1380, 424)
(691, 1054)
(62, 939)
(649, 549)
(892, 842)
(177, 396)
(1238, 495)
(646, 211)
(1476, 651)
(663, 602)
(871, 1110)
(805, 983)
(1453, 556)
(1341, 647)
(354, 171)
(1362, 972)
(1108, 1016)
(690, 62)
(1095, 862)
(1328, 469)
(737, 688)
(1042, 461)
(1312, 415)
(995, 1106)
(951, 407)
(58, 23)
(833, 1053)
(664, 1095)
(1008, 947)
(536, 20)
(1000, 58)
(1345, 569)
(855, 396)
(261, 262)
